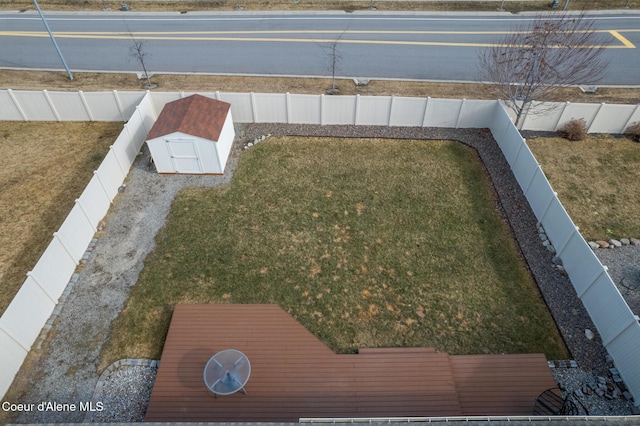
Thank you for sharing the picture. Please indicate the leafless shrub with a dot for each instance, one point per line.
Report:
(574, 130)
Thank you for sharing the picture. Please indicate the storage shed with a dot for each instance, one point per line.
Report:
(192, 135)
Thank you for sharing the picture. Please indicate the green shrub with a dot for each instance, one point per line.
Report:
(574, 130)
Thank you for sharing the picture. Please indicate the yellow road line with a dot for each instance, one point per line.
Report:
(622, 39)
(626, 44)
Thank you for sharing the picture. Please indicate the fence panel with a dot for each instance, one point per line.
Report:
(539, 193)
(407, 112)
(557, 223)
(53, 270)
(95, 201)
(110, 175)
(34, 105)
(129, 101)
(160, 99)
(26, 314)
(241, 108)
(523, 164)
(11, 357)
(543, 116)
(511, 143)
(8, 109)
(338, 109)
(607, 308)
(581, 264)
(442, 112)
(476, 114)
(575, 111)
(76, 232)
(374, 110)
(69, 106)
(270, 107)
(304, 109)
(611, 118)
(624, 351)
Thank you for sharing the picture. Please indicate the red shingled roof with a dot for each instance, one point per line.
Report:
(195, 115)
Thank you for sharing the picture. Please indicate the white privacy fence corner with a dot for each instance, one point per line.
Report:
(24, 318)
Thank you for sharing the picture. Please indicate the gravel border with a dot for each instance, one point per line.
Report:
(64, 370)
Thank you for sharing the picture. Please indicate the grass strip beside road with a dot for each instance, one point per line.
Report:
(309, 5)
(368, 243)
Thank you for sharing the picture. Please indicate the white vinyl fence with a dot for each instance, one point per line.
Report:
(32, 306)
(616, 323)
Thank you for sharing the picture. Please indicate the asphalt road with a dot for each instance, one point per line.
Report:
(368, 44)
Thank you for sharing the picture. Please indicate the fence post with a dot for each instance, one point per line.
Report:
(561, 116)
(85, 104)
(27, 350)
(56, 235)
(252, 101)
(37, 281)
(559, 251)
(85, 214)
(287, 105)
(122, 169)
(104, 188)
(425, 114)
(393, 99)
(459, 113)
(51, 105)
(216, 95)
(17, 105)
(356, 113)
(546, 209)
(595, 117)
(119, 105)
(593, 281)
(322, 109)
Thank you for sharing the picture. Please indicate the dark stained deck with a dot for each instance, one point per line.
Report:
(294, 375)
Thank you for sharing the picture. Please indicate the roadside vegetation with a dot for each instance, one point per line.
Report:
(597, 181)
(305, 5)
(368, 243)
(45, 167)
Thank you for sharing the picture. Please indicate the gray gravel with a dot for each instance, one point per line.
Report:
(624, 269)
(65, 369)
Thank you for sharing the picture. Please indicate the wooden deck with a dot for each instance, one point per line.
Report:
(295, 375)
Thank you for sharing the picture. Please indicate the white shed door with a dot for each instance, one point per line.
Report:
(184, 155)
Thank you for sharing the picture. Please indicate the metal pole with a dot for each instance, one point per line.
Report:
(35, 2)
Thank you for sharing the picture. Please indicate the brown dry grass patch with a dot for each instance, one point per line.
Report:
(45, 167)
(597, 180)
(306, 5)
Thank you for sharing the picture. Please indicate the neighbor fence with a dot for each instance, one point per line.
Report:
(36, 299)
(23, 320)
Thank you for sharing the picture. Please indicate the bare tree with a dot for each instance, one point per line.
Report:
(138, 53)
(333, 57)
(552, 51)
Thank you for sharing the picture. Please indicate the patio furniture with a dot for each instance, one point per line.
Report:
(227, 372)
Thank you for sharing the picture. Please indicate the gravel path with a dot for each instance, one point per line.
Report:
(64, 370)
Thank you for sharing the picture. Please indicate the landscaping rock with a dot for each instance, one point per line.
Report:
(594, 245)
(634, 241)
(615, 243)
(602, 244)
(589, 334)
(626, 395)
(625, 241)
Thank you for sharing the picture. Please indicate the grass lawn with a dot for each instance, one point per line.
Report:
(45, 167)
(366, 242)
(597, 180)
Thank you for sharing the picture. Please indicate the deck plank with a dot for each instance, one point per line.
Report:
(295, 375)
